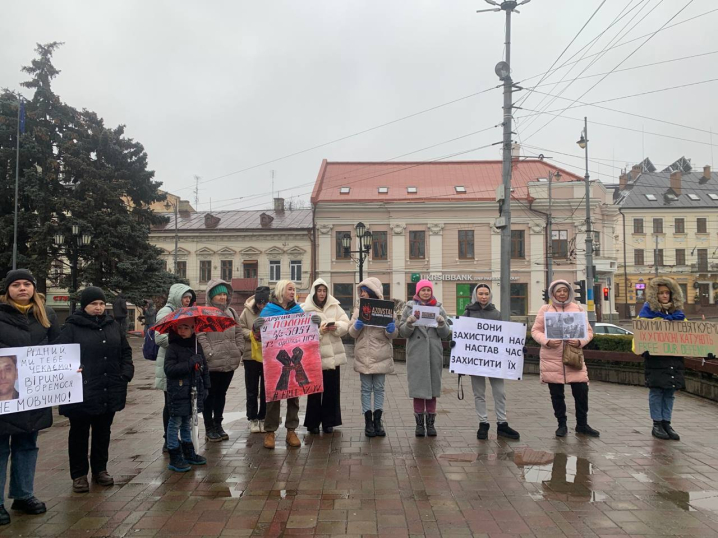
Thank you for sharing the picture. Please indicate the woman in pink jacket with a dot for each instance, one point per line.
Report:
(554, 371)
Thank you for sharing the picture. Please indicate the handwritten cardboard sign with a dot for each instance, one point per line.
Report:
(376, 312)
(565, 325)
(39, 376)
(290, 356)
(675, 338)
(426, 315)
(488, 348)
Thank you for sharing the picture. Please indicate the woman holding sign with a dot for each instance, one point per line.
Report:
(424, 354)
(24, 321)
(553, 370)
(664, 374)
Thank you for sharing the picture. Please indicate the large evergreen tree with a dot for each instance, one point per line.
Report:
(76, 171)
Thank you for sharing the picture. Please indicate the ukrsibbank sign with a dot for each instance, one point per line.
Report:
(451, 277)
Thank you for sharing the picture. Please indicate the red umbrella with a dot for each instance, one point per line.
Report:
(206, 319)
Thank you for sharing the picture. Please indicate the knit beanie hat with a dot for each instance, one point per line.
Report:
(261, 295)
(219, 288)
(90, 295)
(369, 291)
(424, 283)
(19, 274)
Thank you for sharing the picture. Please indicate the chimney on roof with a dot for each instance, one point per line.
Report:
(676, 182)
(515, 151)
(707, 172)
(211, 221)
(279, 205)
(636, 171)
(622, 181)
(265, 221)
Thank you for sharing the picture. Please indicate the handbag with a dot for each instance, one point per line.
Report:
(572, 356)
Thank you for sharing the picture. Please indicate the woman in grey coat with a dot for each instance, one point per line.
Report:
(424, 357)
(482, 307)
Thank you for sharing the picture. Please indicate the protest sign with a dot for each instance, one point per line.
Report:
(39, 376)
(565, 325)
(376, 312)
(290, 356)
(488, 348)
(426, 315)
(675, 338)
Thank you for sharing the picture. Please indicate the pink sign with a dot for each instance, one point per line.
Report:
(291, 358)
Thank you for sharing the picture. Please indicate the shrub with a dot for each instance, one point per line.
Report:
(600, 342)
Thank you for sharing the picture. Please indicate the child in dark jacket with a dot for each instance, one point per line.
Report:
(185, 368)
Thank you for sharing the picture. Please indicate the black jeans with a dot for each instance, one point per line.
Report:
(254, 383)
(216, 397)
(78, 442)
(324, 407)
(580, 397)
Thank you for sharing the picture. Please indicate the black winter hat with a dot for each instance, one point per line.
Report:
(19, 274)
(90, 295)
(261, 294)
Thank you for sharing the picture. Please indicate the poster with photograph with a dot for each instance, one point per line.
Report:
(565, 325)
(426, 315)
(376, 312)
(39, 376)
(290, 357)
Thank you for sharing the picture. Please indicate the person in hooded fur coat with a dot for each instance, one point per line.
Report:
(481, 307)
(664, 374)
(553, 371)
(324, 408)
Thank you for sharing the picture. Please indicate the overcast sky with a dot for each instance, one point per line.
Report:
(211, 88)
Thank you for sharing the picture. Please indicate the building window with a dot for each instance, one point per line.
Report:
(559, 243)
(702, 260)
(295, 270)
(249, 269)
(410, 290)
(205, 270)
(417, 245)
(680, 256)
(519, 299)
(518, 244)
(378, 246)
(466, 244)
(597, 243)
(657, 226)
(226, 270)
(637, 226)
(680, 226)
(658, 257)
(684, 289)
(182, 269)
(702, 225)
(386, 290)
(638, 257)
(344, 293)
(275, 270)
(342, 253)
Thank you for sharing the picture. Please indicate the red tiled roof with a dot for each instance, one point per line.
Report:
(434, 180)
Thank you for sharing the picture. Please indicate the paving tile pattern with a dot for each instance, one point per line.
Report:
(623, 484)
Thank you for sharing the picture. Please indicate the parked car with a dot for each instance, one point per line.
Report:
(611, 330)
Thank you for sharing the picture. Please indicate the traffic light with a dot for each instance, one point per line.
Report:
(545, 296)
(580, 291)
(605, 294)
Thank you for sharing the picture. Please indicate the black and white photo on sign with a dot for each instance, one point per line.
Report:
(426, 315)
(565, 325)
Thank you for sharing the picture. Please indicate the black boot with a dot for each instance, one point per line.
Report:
(430, 430)
(504, 430)
(658, 431)
(220, 430)
(378, 426)
(420, 431)
(369, 425)
(585, 429)
(191, 456)
(483, 431)
(670, 431)
(210, 432)
(4, 516)
(177, 461)
(562, 430)
(32, 506)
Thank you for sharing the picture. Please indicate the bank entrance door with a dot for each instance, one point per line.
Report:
(463, 297)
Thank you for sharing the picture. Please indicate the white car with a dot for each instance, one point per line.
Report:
(611, 329)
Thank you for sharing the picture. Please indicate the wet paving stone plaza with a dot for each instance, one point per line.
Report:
(624, 483)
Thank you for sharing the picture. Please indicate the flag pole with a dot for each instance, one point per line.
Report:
(17, 182)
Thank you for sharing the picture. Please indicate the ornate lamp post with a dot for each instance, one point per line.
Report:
(81, 240)
(365, 241)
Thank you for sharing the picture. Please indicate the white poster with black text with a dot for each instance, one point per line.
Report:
(488, 348)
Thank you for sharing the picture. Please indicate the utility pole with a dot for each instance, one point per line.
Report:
(583, 143)
(503, 70)
(20, 130)
(549, 233)
(196, 192)
(176, 236)
(655, 256)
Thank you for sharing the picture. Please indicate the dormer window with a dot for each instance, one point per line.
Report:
(712, 196)
(344, 190)
(694, 197)
(460, 189)
(383, 190)
(651, 197)
(411, 190)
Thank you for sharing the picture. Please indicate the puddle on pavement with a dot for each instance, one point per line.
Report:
(557, 474)
(641, 477)
(692, 501)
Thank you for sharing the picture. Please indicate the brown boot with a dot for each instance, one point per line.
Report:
(292, 439)
(80, 485)
(103, 478)
(269, 440)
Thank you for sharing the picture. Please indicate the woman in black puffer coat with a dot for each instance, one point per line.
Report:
(106, 362)
(24, 321)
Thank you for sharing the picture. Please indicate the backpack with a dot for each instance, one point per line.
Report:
(149, 347)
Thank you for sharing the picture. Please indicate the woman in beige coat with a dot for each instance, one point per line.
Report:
(373, 358)
(323, 408)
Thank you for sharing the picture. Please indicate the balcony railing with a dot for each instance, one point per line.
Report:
(244, 284)
(704, 267)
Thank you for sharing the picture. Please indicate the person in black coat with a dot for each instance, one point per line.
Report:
(24, 321)
(106, 365)
(119, 310)
(185, 368)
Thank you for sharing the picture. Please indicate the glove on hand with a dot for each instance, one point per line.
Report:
(358, 325)
(316, 319)
(391, 327)
(258, 323)
(646, 355)
(411, 320)
(440, 321)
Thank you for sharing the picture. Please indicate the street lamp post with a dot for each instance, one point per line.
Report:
(81, 240)
(169, 204)
(365, 240)
(590, 306)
